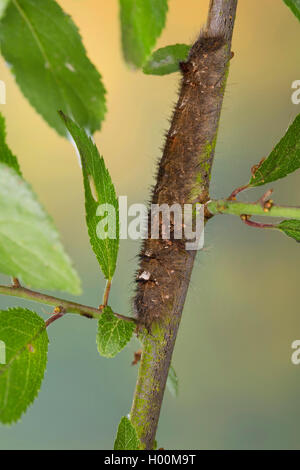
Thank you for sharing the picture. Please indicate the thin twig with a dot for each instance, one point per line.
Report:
(237, 191)
(267, 209)
(246, 219)
(69, 307)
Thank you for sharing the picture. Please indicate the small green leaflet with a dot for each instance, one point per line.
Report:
(26, 345)
(142, 22)
(101, 203)
(166, 60)
(113, 333)
(172, 382)
(48, 59)
(127, 438)
(294, 6)
(291, 228)
(30, 248)
(284, 159)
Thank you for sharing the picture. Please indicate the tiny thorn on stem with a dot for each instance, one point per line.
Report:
(246, 219)
(233, 195)
(58, 313)
(16, 283)
(137, 357)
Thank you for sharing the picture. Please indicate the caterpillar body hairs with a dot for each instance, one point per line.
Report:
(183, 175)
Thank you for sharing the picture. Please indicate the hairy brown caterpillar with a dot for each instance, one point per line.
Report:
(183, 175)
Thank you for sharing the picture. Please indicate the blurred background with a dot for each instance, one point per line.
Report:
(238, 387)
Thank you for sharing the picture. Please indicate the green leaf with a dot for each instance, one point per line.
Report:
(166, 60)
(30, 248)
(291, 228)
(3, 5)
(101, 203)
(142, 22)
(50, 64)
(113, 333)
(26, 343)
(294, 5)
(284, 159)
(172, 382)
(127, 438)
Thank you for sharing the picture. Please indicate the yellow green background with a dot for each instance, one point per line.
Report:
(238, 387)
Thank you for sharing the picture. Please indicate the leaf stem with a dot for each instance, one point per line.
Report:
(106, 293)
(69, 307)
(251, 223)
(237, 191)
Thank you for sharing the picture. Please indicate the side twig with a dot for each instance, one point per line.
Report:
(224, 206)
(69, 307)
